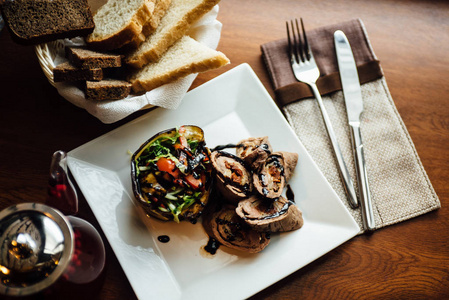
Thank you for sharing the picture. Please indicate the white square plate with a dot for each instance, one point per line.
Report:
(230, 107)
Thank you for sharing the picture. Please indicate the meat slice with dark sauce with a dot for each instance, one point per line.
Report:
(232, 179)
(274, 173)
(269, 215)
(231, 231)
(254, 151)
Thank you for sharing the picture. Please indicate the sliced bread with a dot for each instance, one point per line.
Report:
(185, 57)
(107, 89)
(118, 22)
(180, 15)
(88, 59)
(160, 8)
(68, 72)
(40, 21)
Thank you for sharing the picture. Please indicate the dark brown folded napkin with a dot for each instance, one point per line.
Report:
(321, 41)
(400, 188)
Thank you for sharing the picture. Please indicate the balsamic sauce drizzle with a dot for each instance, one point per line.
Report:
(212, 246)
(264, 147)
(222, 147)
(289, 193)
(163, 238)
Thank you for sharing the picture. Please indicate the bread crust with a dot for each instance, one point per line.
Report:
(140, 86)
(150, 26)
(179, 30)
(160, 8)
(127, 33)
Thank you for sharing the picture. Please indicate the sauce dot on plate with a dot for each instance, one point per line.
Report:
(163, 238)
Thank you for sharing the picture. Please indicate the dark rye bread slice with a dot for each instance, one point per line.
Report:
(40, 21)
(107, 89)
(68, 72)
(88, 59)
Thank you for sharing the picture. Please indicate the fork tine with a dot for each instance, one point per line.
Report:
(298, 46)
(301, 49)
(295, 43)
(292, 43)
(306, 44)
(290, 50)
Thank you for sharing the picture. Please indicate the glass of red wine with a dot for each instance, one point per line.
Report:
(46, 251)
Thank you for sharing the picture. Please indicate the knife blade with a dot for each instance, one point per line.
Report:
(354, 107)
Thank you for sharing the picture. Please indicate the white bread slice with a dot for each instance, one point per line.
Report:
(160, 8)
(176, 22)
(118, 22)
(185, 57)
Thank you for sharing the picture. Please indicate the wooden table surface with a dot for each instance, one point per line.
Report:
(409, 260)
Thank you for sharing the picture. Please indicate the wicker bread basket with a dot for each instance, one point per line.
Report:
(169, 96)
(46, 54)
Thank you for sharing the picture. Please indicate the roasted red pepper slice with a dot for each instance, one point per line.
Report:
(193, 182)
(182, 154)
(167, 165)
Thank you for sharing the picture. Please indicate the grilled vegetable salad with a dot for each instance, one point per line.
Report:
(171, 174)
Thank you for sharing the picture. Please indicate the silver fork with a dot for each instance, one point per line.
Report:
(306, 70)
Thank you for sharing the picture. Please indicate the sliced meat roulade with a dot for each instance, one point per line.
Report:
(273, 175)
(266, 215)
(289, 161)
(233, 179)
(254, 151)
(231, 231)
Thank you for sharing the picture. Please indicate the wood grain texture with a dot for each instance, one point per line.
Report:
(409, 260)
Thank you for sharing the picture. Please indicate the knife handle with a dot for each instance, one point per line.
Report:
(362, 178)
(348, 184)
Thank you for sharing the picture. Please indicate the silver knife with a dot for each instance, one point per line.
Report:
(354, 107)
